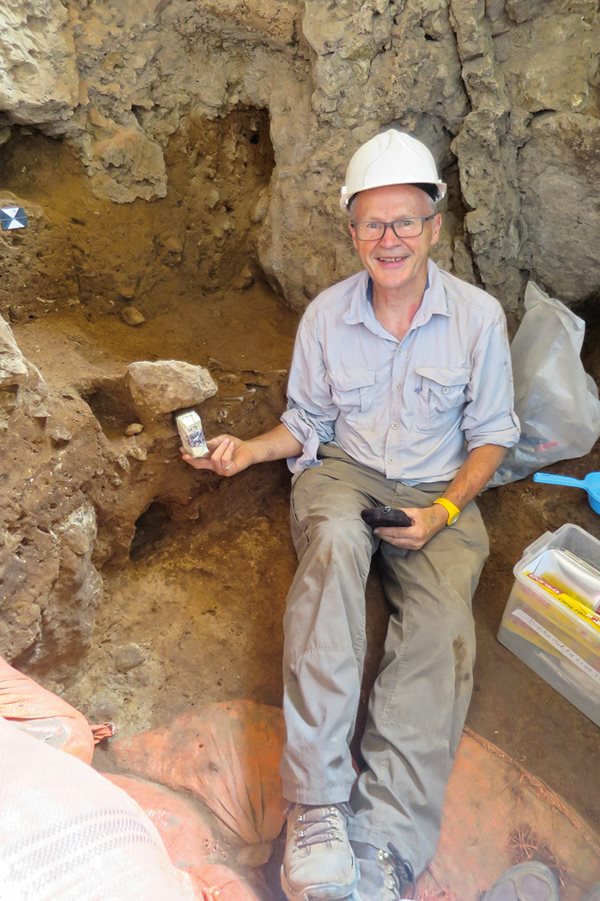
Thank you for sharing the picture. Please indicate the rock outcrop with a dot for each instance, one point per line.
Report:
(47, 523)
(77, 479)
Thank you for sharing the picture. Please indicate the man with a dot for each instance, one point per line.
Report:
(400, 394)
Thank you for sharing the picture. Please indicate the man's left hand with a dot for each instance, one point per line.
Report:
(426, 522)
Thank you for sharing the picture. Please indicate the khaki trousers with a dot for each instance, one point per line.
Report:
(419, 701)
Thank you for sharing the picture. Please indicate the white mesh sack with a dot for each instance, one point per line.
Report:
(68, 833)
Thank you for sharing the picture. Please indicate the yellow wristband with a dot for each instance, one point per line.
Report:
(451, 509)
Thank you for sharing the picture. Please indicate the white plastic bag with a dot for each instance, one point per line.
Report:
(68, 833)
(555, 399)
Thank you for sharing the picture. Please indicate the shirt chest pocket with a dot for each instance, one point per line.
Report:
(440, 391)
(351, 390)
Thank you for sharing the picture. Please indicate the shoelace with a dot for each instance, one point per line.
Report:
(399, 874)
(320, 825)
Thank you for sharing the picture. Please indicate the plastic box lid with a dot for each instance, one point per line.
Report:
(569, 537)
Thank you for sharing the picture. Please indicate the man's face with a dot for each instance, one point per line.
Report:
(397, 265)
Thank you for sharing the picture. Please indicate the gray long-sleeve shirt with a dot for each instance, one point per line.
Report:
(411, 409)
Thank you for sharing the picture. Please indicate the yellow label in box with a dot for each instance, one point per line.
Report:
(573, 603)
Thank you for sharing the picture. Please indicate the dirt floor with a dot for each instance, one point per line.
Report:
(195, 615)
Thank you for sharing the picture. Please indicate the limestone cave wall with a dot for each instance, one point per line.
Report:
(505, 91)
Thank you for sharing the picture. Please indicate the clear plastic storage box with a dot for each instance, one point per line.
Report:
(546, 625)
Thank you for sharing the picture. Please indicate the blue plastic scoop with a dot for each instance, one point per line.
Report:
(591, 484)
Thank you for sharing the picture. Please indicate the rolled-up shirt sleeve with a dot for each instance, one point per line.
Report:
(311, 412)
(489, 416)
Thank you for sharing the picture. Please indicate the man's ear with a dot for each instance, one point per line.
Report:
(437, 225)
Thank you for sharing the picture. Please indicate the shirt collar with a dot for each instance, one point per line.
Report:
(360, 309)
(434, 300)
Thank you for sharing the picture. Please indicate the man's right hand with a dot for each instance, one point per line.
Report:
(228, 456)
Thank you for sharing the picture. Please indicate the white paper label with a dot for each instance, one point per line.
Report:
(558, 644)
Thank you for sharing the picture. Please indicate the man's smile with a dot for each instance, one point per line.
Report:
(390, 259)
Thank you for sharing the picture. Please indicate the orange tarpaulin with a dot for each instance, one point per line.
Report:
(496, 814)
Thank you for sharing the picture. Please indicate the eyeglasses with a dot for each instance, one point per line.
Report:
(402, 228)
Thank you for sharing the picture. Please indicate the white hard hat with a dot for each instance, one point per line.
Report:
(391, 158)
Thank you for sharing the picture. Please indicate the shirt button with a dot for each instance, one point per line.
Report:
(390, 459)
(394, 425)
(398, 386)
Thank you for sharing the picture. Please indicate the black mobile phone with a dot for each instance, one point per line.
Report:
(385, 516)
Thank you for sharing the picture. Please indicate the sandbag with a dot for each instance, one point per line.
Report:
(227, 755)
(191, 841)
(217, 882)
(67, 833)
(189, 837)
(43, 714)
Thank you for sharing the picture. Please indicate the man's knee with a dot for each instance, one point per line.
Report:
(335, 530)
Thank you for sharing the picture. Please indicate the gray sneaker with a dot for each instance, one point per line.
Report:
(529, 881)
(318, 863)
(383, 875)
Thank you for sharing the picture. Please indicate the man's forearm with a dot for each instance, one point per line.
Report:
(278, 444)
(474, 474)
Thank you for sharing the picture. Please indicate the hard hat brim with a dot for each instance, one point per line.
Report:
(346, 195)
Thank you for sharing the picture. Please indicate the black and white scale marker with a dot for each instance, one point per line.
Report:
(12, 217)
